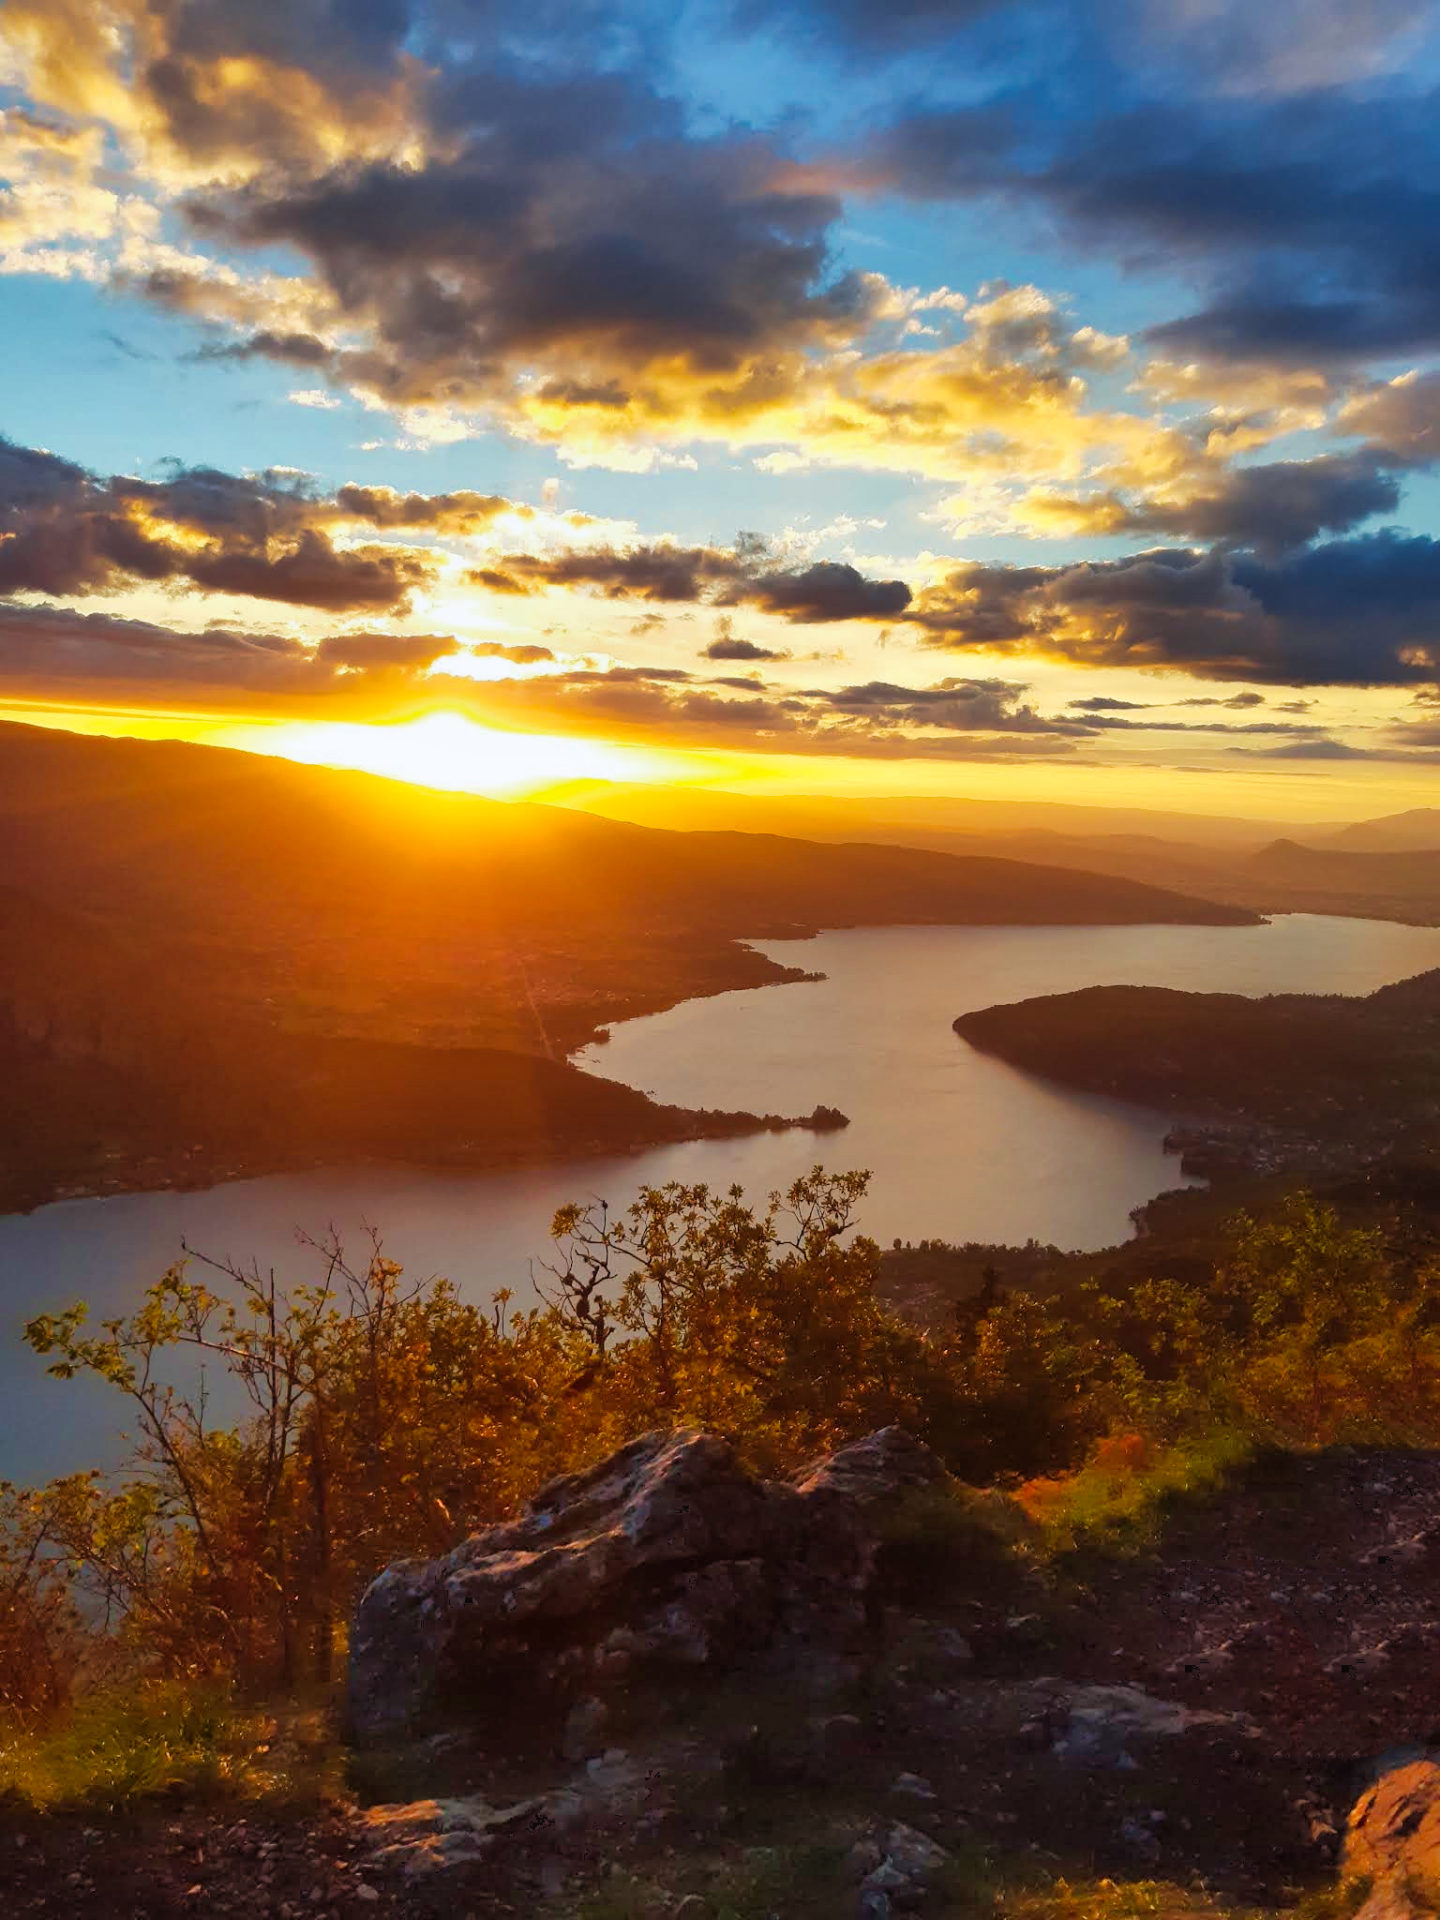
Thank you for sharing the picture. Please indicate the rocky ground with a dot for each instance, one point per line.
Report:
(1205, 1716)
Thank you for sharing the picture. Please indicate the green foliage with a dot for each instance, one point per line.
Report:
(699, 1311)
(391, 1417)
(123, 1744)
(1119, 1504)
(1308, 1333)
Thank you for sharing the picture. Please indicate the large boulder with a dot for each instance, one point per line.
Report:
(668, 1555)
(1393, 1842)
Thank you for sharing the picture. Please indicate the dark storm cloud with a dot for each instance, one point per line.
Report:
(66, 531)
(745, 575)
(1359, 612)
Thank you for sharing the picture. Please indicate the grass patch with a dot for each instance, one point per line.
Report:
(159, 1740)
(1115, 1900)
(1119, 1502)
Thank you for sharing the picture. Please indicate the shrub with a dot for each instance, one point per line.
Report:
(121, 1744)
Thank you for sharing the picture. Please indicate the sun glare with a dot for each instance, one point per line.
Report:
(447, 750)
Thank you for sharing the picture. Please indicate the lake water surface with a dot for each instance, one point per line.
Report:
(961, 1147)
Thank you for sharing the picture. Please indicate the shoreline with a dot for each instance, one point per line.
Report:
(184, 1175)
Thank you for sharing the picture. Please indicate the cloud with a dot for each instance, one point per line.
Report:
(512, 226)
(367, 652)
(442, 513)
(745, 575)
(1272, 507)
(727, 647)
(60, 651)
(66, 531)
(1225, 46)
(1302, 208)
(1402, 415)
(524, 655)
(533, 226)
(1358, 612)
(1321, 748)
(953, 705)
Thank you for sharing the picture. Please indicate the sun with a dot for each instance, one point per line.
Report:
(449, 751)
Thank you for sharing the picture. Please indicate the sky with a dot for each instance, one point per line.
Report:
(833, 396)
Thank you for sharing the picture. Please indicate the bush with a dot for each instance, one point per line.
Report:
(119, 1745)
(1118, 1501)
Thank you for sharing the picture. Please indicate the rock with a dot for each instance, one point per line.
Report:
(863, 1858)
(609, 1796)
(1393, 1842)
(914, 1854)
(1101, 1723)
(426, 1836)
(693, 1907)
(871, 1474)
(666, 1556)
(912, 1786)
(873, 1904)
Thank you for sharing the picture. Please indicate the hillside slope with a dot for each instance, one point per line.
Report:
(1322, 1063)
(336, 902)
(119, 1076)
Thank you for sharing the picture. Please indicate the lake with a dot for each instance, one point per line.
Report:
(961, 1147)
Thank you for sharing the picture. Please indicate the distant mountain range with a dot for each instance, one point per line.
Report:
(1382, 869)
(1413, 832)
